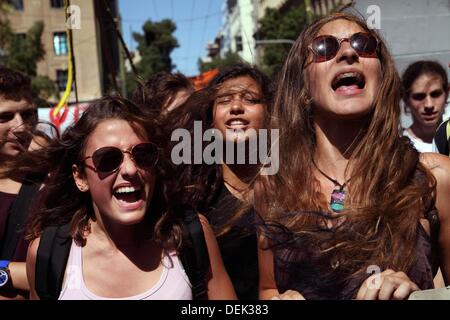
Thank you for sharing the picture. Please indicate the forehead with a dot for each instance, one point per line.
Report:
(7, 105)
(115, 133)
(340, 28)
(242, 83)
(426, 82)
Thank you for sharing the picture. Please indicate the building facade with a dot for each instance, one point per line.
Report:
(98, 62)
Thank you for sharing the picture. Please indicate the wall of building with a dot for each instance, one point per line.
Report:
(414, 30)
(85, 42)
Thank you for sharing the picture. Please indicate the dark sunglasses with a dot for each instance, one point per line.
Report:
(109, 159)
(28, 116)
(422, 95)
(326, 47)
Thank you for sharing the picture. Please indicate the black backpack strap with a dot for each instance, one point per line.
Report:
(51, 261)
(441, 138)
(17, 218)
(194, 255)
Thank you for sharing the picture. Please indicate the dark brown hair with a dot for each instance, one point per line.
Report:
(160, 90)
(384, 192)
(419, 68)
(14, 85)
(61, 200)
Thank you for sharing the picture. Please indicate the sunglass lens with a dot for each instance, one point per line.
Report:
(145, 155)
(325, 48)
(364, 44)
(107, 159)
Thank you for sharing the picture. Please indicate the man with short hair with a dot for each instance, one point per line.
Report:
(18, 117)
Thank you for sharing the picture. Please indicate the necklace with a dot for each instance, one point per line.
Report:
(338, 194)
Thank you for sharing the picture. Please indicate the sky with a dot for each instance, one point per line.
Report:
(197, 21)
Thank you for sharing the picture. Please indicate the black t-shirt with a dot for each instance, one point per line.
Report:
(6, 203)
(238, 246)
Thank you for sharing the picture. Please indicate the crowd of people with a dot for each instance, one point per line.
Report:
(358, 208)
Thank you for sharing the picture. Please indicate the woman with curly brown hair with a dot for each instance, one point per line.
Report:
(106, 184)
(351, 197)
(236, 106)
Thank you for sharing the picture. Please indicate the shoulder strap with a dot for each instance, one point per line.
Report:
(51, 260)
(441, 138)
(447, 134)
(17, 218)
(194, 255)
(433, 219)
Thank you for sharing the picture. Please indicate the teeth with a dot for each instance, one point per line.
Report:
(347, 75)
(126, 190)
(237, 122)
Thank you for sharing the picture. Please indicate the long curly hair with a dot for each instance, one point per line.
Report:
(61, 202)
(389, 189)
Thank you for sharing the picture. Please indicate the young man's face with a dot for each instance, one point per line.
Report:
(17, 119)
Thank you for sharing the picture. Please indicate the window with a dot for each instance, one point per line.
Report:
(16, 4)
(57, 3)
(60, 43)
(21, 36)
(61, 79)
(239, 46)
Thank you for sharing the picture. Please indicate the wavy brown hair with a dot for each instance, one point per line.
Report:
(61, 202)
(389, 189)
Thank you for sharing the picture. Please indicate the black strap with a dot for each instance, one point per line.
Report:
(194, 255)
(51, 261)
(441, 139)
(16, 220)
(433, 218)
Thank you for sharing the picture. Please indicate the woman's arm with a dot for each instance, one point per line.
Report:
(267, 285)
(219, 283)
(31, 267)
(439, 166)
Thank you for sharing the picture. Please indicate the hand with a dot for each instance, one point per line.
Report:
(289, 295)
(387, 285)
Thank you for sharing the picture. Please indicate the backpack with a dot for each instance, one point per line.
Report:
(16, 220)
(442, 138)
(54, 249)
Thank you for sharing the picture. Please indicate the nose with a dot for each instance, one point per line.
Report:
(128, 168)
(429, 102)
(347, 53)
(236, 106)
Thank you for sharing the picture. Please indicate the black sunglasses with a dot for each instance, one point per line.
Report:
(422, 95)
(109, 159)
(28, 116)
(326, 47)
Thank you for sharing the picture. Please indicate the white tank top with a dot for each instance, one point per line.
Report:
(172, 285)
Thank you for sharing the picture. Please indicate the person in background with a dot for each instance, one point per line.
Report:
(163, 92)
(18, 117)
(237, 101)
(425, 93)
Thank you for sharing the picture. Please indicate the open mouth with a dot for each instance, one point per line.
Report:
(237, 124)
(348, 81)
(128, 195)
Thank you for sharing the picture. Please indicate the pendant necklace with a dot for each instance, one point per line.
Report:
(338, 195)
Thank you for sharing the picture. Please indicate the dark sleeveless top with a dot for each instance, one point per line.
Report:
(6, 203)
(238, 246)
(306, 271)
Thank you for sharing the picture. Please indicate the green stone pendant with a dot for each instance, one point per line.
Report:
(337, 199)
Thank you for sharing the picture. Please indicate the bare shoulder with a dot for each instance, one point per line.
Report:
(438, 164)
